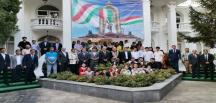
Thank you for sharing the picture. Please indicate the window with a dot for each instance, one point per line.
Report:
(48, 11)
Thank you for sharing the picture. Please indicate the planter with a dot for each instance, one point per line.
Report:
(156, 92)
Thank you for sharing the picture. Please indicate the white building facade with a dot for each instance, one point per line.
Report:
(163, 19)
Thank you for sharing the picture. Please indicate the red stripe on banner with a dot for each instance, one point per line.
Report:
(81, 12)
(130, 18)
(101, 14)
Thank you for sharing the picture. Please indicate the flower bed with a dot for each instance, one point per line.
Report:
(138, 80)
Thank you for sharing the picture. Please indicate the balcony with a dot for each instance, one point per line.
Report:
(184, 27)
(155, 26)
(46, 24)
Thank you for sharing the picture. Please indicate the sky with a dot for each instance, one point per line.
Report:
(126, 8)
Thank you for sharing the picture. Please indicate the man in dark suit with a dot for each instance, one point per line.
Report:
(44, 47)
(104, 55)
(125, 56)
(57, 46)
(23, 43)
(62, 60)
(174, 56)
(194, 63)
(4, 64)
(30, 62)
(207, 63)
(84, 57)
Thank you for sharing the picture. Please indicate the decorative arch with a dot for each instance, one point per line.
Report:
(115, 18)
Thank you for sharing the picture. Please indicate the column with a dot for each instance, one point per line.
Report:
(147, 23)
(67, 24)
(172, 30)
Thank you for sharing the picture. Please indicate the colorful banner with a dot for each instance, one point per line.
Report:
(103, 17)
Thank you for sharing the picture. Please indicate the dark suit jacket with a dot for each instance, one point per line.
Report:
(4, 63)
(122, 56)
(194, 60)
(29, 62)
(44, 48)
(62, 58)
(103, 56)
(210, 59)
(58, 48)
(83, 57)
(174, 56)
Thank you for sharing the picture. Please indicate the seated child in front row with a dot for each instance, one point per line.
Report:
(82, 69)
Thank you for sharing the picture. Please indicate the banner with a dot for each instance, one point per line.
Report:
(107, 19)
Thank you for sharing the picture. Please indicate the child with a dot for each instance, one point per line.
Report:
(113, 70)
(137, 70)
(89, 73)
(125, 70)
(82, 69)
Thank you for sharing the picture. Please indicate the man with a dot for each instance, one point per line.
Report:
(158, 55)
(104, 55)
(4, 65)
(207, 63)
(94, 57)
(148, 54)
(16, 65)
(125, 56)
(44, 46)
(51, 60)
(63, 60)
(186, 61)
(22, 44)
(174, 56)
(36, 47)
(194, 63)
(84, 57)
(30, 62)
(57, 46)
(78, 47)
(153, 64)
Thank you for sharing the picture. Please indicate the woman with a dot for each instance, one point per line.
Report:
(94, 57)
(73, 61)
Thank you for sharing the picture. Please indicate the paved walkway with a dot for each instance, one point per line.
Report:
(185, 92)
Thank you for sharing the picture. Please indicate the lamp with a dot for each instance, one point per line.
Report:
(45, 1)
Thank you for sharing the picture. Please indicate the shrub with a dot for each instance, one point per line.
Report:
(101, 80)
(73, 78)
(82, 79)
(64, 75)
(53, 76)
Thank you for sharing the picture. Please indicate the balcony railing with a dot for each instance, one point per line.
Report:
(184, 27)
(47, 24)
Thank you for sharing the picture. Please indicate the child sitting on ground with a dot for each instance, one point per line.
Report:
(89, 73)
(82, 69)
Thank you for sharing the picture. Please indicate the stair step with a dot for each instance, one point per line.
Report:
(21, 87)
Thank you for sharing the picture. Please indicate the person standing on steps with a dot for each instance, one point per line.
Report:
(4, 65)
(30, 62)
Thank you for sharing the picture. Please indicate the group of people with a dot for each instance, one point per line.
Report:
(194, 62)
(84, 58)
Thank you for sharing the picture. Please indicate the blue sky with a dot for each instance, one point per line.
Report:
(126, 8)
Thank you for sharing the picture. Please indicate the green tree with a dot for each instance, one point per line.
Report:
(8, 18)
(204, 23)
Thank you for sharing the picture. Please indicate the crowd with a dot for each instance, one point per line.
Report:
(84, 58)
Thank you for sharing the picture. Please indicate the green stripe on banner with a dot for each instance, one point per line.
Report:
(132, 22)
(90, 16)
(74, 5)
(109, 15)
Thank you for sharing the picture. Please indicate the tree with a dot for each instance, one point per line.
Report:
(204, 23)
(8, 18)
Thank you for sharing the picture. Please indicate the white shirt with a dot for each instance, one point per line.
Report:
(148, 56)
(78, 47)
(135, 54)
(126, 55)
(127, 45)
(35, 47)
(73, 57)
(19, 59)
(141, 53)
(3, 55)
(158, 56)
